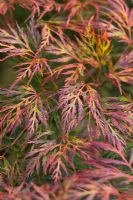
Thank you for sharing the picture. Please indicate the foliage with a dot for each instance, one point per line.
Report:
(66, 120)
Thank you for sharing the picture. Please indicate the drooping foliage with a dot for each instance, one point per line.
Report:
(66, 116)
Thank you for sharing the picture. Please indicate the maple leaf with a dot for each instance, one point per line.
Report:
(71, 104)
(23, 106)
(14, 43)
(96, 46)
(56, 156)
(122, 71)
(121, 15)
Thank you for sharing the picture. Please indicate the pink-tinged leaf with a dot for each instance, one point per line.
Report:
(62, 60)
(25, 106)
(120, 16)
(108, 147)
(109, 161)
(69, 102)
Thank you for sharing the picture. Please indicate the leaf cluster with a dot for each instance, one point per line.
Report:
(66, 118)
